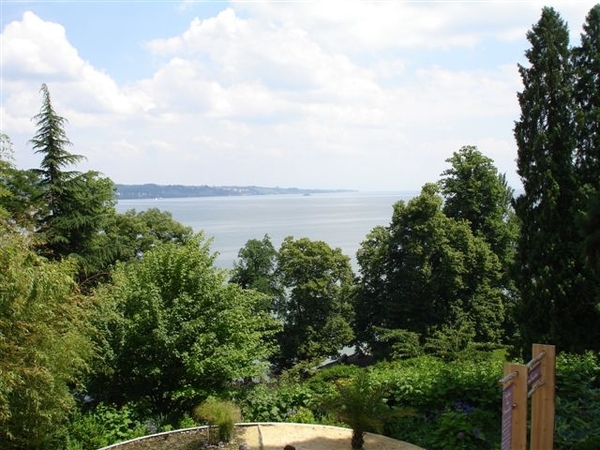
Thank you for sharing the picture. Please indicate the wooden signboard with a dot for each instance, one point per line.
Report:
(535, 380)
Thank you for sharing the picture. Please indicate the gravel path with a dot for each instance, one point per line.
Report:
(274, 436)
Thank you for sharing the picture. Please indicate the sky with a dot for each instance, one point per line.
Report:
(366, 95)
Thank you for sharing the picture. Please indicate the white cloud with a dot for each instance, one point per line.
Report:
(36, 51)
(314, 94)
(27, 46)
(358, 26)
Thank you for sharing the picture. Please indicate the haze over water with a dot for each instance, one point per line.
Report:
(340, 219)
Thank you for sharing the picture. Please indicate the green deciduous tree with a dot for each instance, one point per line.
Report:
(556, 305)
(426, 271)
(473, 190)
(45, 343)
(131, 234)
(6, 167)
(255, 267)
(183, 332)
(316, 301)
(17, 189)
(6, 161)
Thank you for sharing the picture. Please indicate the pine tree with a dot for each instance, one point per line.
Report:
(75, 204)
(554, 307)
(51, 141)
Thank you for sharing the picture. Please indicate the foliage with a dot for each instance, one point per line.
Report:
(104, 425)
(586, 64)
(131, 234)
(359, 403)
(255, 266)
(51, 142)
(590, 226)
(71, 207)
(220, 413)
(461, 428)
(56, 183)
(302, 415)
(44, 342)
(276, 402)
(474, 190)
(404, 344)
(577, 400)
(80, 230)
(427, 272)
(17, 188)
(6, 166)
(316, 300)
(557, 291)
(461, 397)
(181, 332)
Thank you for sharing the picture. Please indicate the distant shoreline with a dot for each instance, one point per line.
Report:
(151, 191)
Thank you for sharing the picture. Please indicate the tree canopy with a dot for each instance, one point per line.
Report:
(182, 333)
(557, 297)
(256, 265)
(130, 311)
(316, 300)
(45, 343)
(70, 207)
(426, 272)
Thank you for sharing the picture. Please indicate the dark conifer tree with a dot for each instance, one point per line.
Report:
(554, 305)
(73, 205)
(586, 62)
(51, 142)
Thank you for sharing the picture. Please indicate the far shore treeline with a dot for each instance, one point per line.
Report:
(116, 325)
(150, 191)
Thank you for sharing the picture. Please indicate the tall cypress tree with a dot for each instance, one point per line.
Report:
(586, 62)
(554, 307)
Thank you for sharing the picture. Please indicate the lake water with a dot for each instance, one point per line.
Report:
(340, 219)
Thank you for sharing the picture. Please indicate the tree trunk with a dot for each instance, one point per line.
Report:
(358, 439)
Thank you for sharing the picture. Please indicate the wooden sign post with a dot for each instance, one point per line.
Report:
(543, 398)
(535, 380)
(514, 407)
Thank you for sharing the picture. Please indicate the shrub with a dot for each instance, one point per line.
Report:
(220, 413)
(103, 425)
(361, 404)
(577, 401)
(276, 402)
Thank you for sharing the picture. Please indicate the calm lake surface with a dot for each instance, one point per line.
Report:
(340, 219)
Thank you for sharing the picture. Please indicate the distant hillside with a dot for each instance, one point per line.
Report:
(141, 191)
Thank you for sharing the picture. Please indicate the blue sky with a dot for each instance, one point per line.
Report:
(329, 94)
